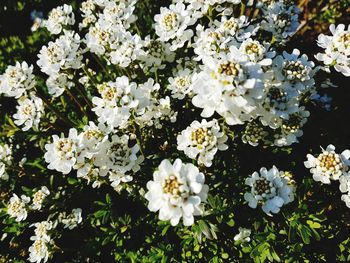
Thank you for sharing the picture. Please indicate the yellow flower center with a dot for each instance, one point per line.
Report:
(172, 185)
(330, 161)
(229, 69)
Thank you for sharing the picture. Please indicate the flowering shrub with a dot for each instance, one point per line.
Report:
(136, 133)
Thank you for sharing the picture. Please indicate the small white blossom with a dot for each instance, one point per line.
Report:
(17, 207)
(336, 49)
(41, 230)
(62, 54)
(29, 111)
(5, 159)
(59, 17)
(72, 220)
(61, 153)
(17, 80)
(269, 188)
(328, 164)
(177, 190)
(181, 84)
(171, 25)
(38, 251)
(202, 140)
(39, 197)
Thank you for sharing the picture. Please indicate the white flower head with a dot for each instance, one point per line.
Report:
(17, 80)
(115, 155)
(72, 220)
(113, 108)
(171, 25)
(328, 164)
(39, 197)
(17, 207)
(38, 251)
(269, 188)
(336, 49)
(281, 20)
(228, 85)
(344, 187)
(59, 17)
(5, 159)
(181, 84)
(202, 140)
(61, 153)
(177, 191)
(29, 111)
(58, 83)
(41, 230)
(63, 54)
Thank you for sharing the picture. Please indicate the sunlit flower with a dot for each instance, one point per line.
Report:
(202, 140)
(328, 164)
(177, 190)
(17, 207)
(269, 188)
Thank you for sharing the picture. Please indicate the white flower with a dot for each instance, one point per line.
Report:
(243, 235)
(254, 133)
(61, 153)
(202, 140)
(257, 52)
(62, 54)
(336, 49)
(114, 106)
(29, 112)
(41, 230)
(59, 17)
(17, 80)
(17, 207)
(281, 20)
(126, 50)
(228, 85)
(181, 84)
(328, 164)
(39, 197)
(5, 159)
(156, 54)
(344, 187)
(121, 98)
(116, 155)
(172, 23)
(56, 84)
(294, 71)
(177, 190)
(38, 251)
(72, 220)
(270, 188)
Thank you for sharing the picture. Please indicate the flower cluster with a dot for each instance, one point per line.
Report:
(202, 140)
(328, 164)
(5, 160)
(95, 153)
(17, 207)
(39, 251)
(59, 18)
(269, 188)
(336, 49)
(18, 82)
(177, 191)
